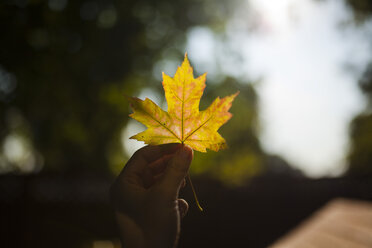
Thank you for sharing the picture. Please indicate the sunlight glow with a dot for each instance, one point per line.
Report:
(273, 14)
(307, 97)
(298, 51)
(18, 154)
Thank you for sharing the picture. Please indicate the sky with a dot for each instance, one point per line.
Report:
(307, 66)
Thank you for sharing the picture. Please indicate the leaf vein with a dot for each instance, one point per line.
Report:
(164, 126)
(199, 127)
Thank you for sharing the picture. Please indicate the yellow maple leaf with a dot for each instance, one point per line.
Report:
(183, 123)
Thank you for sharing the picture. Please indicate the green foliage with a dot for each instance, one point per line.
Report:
(362, 8)
(360, 156)
(244, 158)
(73, 64)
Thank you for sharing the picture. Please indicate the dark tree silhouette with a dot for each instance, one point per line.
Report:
(360, 157)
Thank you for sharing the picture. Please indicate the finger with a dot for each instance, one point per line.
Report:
(159, 165)
(155, 170)
(176, 171)
(138, 163)
(147, 179)
(183, 207)
(157, 177)
(151, 153)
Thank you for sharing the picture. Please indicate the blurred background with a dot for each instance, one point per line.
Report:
(301, 132)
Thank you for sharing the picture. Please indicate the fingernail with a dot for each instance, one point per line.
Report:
(185, 153)
(174, 147)
(177, 146)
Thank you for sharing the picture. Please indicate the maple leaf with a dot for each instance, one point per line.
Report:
(183, 123)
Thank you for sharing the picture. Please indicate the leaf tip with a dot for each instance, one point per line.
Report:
(236, 94)
(186, 60)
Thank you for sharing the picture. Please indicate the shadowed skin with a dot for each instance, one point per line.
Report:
(145, 196)
(183, 123)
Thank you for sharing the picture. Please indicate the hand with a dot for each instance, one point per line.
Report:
(145, 196)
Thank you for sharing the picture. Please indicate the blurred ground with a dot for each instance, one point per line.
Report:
(341, 223)
(57, 210)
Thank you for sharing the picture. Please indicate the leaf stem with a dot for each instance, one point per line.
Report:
(193, 191)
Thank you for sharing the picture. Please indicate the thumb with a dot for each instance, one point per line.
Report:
(176, 171)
